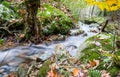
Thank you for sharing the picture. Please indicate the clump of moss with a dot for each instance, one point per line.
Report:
(44, 69)
(113, 71)
(92, 52)
(54, 21)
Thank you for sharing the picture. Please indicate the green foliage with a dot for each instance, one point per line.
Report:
(113, 71)
(5, 3)
(105, 40)
(6, 13)
(49, 11)
(89, 55)
(44, 69)
(1, 41)
(93, 51)
(94, 73)
(54, 21)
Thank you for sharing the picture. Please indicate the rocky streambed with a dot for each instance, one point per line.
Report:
(11, 58)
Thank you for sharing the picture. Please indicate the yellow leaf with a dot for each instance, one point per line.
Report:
(109, 5)
(114, 8)
(111, 2)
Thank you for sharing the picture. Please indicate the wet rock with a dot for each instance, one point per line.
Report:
(58, 37)
(4, 69)
(1, 70)
(76, 32)
(85, 34)
(22, 70)
(60, 49)
(82, 47)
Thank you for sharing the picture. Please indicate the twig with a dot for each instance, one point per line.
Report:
(30, 69)
(104, 26)
(6, 29)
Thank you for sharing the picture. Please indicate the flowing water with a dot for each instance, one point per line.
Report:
(11, 58)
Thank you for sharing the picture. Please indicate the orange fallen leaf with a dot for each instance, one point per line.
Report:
(12, 75)
(75, 71)
(94, 63)
(52, 72)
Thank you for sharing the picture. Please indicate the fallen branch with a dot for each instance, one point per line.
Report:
(6, 29)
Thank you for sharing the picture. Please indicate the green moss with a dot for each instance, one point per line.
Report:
(96, 19)
(54, 20)
(44, 69)
(94, 73)
(49, 11)
(92, 51)
(113, 71)
(90, 56)
(1, 41)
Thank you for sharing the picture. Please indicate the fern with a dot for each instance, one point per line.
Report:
(94, 73)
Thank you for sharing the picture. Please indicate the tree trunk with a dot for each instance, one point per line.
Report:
(32, 24)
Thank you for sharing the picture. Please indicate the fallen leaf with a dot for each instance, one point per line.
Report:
(52, 72)
(94, 63)
(21, 35)
(75, 71)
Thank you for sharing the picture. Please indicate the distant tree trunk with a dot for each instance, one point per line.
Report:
(32, 24)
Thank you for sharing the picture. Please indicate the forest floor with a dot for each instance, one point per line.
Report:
(65, 65)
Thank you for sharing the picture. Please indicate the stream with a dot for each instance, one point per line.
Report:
(11, 58)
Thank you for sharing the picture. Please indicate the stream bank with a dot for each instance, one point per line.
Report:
(12, 57)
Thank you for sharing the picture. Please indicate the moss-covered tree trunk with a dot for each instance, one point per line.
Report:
(32, 24)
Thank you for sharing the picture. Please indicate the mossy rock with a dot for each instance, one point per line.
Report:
(54, 21)
(92, 52)
(98, 20)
